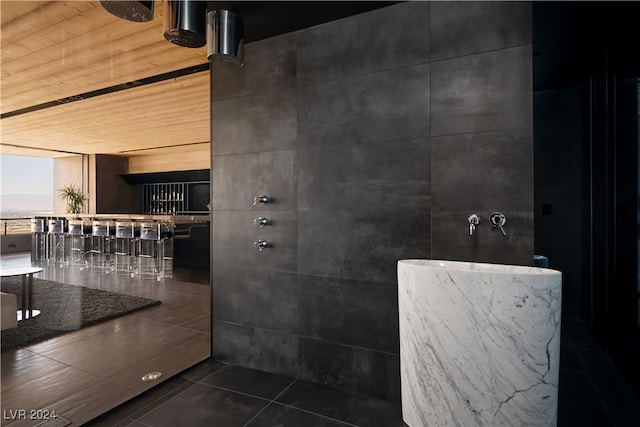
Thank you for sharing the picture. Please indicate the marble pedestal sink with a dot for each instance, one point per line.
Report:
(479, 344)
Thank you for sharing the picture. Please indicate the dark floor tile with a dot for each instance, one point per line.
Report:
(203, 405)
(624, 417)
(573, 413)
(576, 385)
(574, 324)
(127, 423)
(340, 405)
(615, 391)
(202, 369)
(249, 381)
(142, 404)
(584, 341)
(597, 362)
(569, 359)
(286, 416)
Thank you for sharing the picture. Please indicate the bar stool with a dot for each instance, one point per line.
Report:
(125, 247)
(148, 248)
(78, 243)
(38, 240)
(166, 250)
(56, 242)
(100, 245)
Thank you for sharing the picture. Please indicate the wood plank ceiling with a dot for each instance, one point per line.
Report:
(57, 50)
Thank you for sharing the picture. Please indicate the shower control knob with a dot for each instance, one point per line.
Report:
(262, 221)
(262, 244)
(498, 220)
(262, 199)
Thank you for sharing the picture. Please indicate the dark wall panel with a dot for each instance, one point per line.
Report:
(483, 171)
(389, 38)
(380, 106)
(235, 233)
(483, 92)
(351, 126)
(381, 176)
(354, 312)
(262, 299)
(362, 244)
(270, 65)
(464, 28)
(237, 179)
(113, 194)
(255, 348)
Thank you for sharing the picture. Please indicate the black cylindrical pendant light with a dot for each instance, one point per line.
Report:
(185, 23)
(136, 11)
(225, 38)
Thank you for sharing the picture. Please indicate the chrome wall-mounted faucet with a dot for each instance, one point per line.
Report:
(262, 244)
(498, 220)
(262, 221)
(262, 199)
(474, 220)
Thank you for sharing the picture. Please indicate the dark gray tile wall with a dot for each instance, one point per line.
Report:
(481, 130)
(482, 171)
(374, 150)
(378, 106)
(384, 39)
(464, 28)
(482, 92)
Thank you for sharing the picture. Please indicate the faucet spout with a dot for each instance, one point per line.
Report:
(474, 220)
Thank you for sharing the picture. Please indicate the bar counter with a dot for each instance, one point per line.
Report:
(127, 242)
(176, 219)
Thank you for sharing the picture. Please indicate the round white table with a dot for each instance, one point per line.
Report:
(27, 273)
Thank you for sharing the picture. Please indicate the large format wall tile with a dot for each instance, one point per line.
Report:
(379, 176)
(234, 234)
(256, 298)
(337, 123)
(270, 65)
(451, 240)
(483, 171)
(484, 92)
(263, 122)
(361, 245)
(386, 105)
(353, 312)
(364, 43)
(255, 348)
(350, 368)
(464, 28)
(237, 179)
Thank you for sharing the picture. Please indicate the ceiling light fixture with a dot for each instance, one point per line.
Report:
(136, 11)
(184, 23)
(225, 38)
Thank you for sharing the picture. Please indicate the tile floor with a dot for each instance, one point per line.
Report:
(214, 394)
(592, 393)
(89, 371)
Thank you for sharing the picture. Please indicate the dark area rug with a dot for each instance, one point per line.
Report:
(64, 308)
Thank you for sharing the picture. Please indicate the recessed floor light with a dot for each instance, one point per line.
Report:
(152, 376)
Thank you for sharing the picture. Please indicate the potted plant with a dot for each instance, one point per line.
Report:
(73, 197)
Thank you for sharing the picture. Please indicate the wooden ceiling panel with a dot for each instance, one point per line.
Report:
(172, 112)
(53, 50)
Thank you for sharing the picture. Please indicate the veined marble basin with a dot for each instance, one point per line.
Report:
(479, 343)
